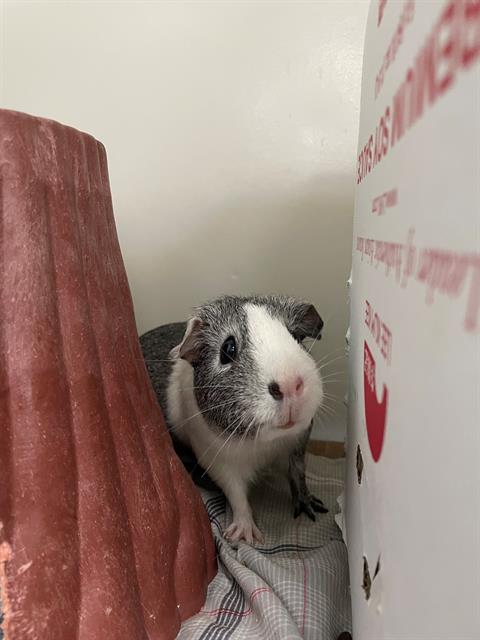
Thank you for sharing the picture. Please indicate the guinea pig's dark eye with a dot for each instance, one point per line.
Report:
(228, 352)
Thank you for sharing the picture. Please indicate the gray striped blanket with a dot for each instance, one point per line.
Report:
(295, 584)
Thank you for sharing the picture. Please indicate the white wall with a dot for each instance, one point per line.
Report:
(231, 132)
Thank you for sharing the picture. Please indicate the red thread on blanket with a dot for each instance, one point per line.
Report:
(239, 614)
(304, 613)
(304, 596)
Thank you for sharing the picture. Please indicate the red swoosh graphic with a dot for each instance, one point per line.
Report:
(375, 412)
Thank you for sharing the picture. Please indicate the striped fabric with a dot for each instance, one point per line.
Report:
(295, 584)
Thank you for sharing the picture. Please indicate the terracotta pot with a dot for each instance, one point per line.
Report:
(102, 533)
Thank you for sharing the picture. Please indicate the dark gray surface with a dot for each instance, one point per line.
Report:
(156, 346)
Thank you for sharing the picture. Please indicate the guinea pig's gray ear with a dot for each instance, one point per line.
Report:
(189, 348)
(308, 322)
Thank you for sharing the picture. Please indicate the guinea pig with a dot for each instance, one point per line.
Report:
(242, 394)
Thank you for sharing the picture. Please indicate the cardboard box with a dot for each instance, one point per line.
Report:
(413, 486)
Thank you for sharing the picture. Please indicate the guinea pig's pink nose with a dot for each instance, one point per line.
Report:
(288, 388)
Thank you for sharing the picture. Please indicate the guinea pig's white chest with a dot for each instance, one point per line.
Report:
(220, 455)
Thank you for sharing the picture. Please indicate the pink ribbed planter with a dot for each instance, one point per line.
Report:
(102, 534)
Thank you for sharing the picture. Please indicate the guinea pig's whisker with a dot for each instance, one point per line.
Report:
(247, 430)
(327, 385)
(216, 406)
(330, 396)
(329, 409)
(325, 376)
(239, 422)
(326, 411)
(206, 386)
(255, 441)
(203, 453)
(331, 353)
(315, 340)
(335, 352)
(327, 372)
(327, 364)
(333, 407)
(214, 442)
(325, 407)
(332, 399)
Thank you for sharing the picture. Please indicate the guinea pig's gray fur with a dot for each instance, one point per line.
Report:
(242, 394)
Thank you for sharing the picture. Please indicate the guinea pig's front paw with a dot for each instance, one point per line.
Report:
(243, 529)
(308, 505)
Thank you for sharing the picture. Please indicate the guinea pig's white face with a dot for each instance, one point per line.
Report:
(253, 377)
(290, 387)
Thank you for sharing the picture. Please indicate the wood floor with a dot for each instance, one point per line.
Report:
(326, 449)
